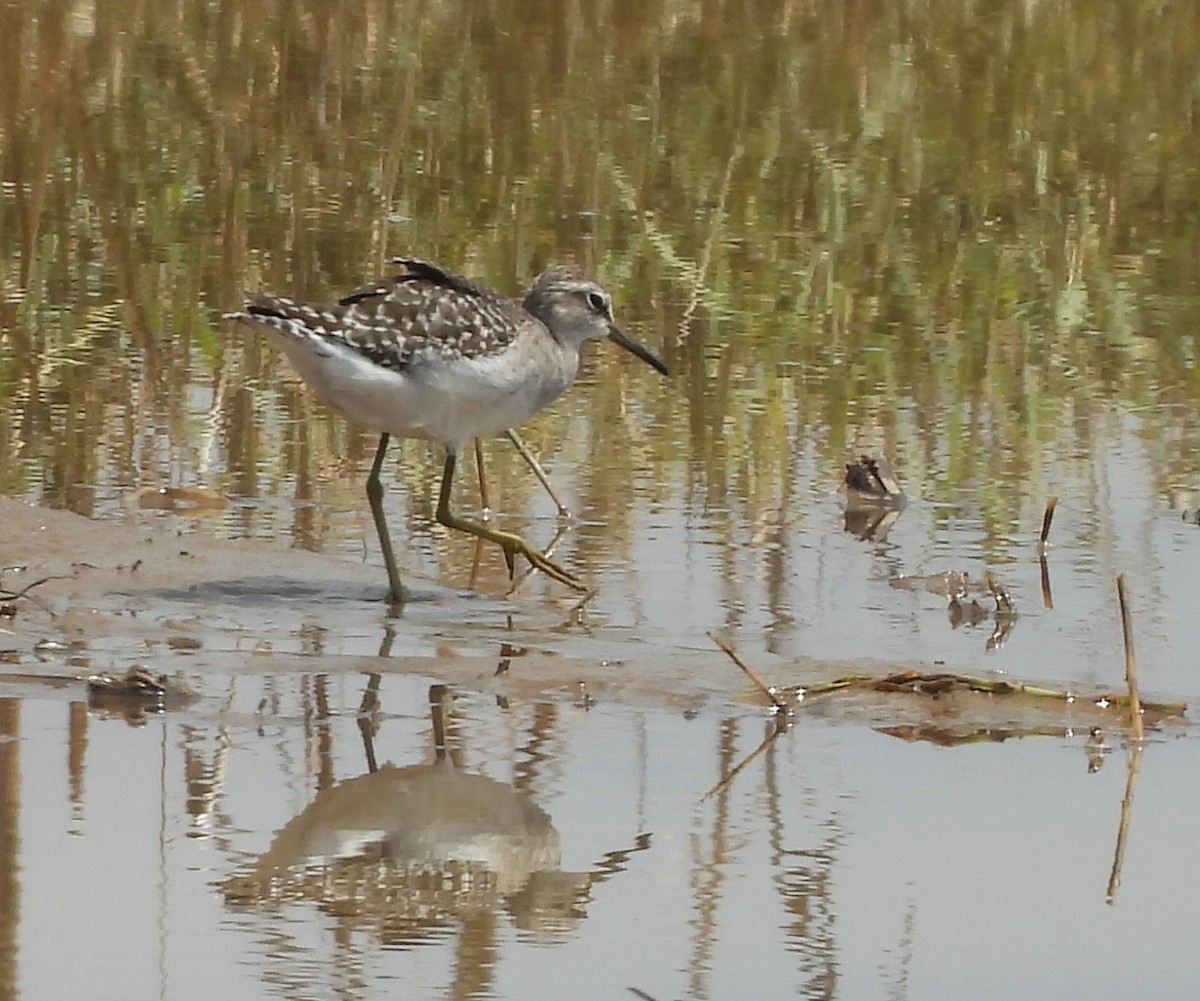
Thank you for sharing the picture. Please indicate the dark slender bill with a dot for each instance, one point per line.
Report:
(618, 336)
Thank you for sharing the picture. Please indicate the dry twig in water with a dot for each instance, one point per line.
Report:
(1048, 517)
(776, 700)
(1135, 703)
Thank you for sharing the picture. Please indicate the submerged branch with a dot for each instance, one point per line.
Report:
(922, 683)
(934, 684)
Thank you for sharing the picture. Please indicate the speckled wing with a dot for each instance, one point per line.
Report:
(422, 314)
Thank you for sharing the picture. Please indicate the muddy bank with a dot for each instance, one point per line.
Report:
(88, 597)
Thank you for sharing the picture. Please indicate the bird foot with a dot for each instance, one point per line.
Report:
(540, 562)
(510, 543)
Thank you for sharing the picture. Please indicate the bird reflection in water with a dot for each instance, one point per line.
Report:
(411, 852)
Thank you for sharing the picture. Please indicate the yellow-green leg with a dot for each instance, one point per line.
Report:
(483, 489)
(538, 471)
(530, 460)
(397, 595)
(510, 543)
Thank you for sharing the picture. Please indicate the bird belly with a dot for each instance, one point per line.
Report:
(447, 400)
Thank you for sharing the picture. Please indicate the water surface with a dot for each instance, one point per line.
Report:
(961, 238)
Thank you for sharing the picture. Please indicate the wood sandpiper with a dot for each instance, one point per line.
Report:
(431, 354)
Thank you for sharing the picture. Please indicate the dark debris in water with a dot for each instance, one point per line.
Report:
(964, 596)
(871, 482)
(874, 498)
(136, 694)
(945, 583)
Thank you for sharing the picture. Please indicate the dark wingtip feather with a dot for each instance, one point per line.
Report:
(426, 271)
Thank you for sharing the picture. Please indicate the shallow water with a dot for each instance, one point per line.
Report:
(962, 239)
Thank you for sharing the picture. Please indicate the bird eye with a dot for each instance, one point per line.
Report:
(597, 302)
